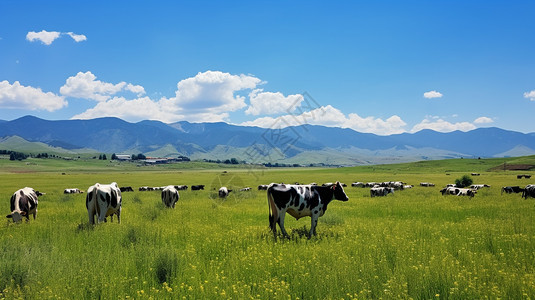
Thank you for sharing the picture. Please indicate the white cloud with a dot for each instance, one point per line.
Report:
(85, 85)
(432, 94)
(76, 37)
(269, 103)
(332, 117)
(213, 92)
(441, 125)
(46, 37)
(483, 120)
(17, 96)
(530, 95)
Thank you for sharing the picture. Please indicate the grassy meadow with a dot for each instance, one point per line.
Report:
(414, 244)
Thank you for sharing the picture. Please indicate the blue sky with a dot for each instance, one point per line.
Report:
(379, 66)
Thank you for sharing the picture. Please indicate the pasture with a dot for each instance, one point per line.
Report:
(413, 244)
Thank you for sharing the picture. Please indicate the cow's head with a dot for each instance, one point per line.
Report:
(339, 193)
(16, 216)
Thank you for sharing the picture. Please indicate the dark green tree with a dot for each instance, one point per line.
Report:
(464, 181)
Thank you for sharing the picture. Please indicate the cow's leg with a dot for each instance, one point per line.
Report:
(280, 220)
(313, 224)
(119, 215)
(34, 213)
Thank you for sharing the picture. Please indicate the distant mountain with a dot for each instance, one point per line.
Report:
(303, 144)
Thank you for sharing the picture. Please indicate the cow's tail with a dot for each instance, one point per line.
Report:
(271, 212)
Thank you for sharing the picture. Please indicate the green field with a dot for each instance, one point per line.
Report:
(413, 244)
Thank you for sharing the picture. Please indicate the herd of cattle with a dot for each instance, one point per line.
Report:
(105, 200)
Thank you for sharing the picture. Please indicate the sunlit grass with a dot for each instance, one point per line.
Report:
(413, 244)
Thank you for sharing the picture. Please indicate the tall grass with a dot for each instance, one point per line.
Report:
(413, 244)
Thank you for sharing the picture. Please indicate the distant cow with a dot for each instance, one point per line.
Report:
(126, 189)
(181, 187)
(197, 187)
(479, 186)
(427, 184)
(381, 191)
(262, 187)
(170, 196)
(357, 184)
(223, 192)
(529, 191)
(475, 174)
(72, 191)
(300, 201)
(458, 191)
(512, 189)
(103, 200)
(23, 203)
(145, 188)
(245, 189)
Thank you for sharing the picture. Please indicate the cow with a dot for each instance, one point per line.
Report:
(223, 192)
(145, 188)
(458, 191)
(427, 184)
(126, 189)
(408, 186)
(103, 200)
(300, 201)
(245, 189)
(357, 184)
(466, 192)
(478, 186)
(72, 191)
(181, 187)
(170, 196)
(475, 174)
(512, 189)
(529, 191)
(23, 203)
(262, 187)
(197, 187)
(381, 191)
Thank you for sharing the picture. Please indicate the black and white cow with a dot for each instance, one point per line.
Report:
(479, 186)
(262, 187)
(529, 191)
(72, 191)
(381, 191)
(300, 201)
(103, 200)
(170, 196)
(223, 192)
(197, 187)
(512, 189)
(245, 189)
(126, 189)
(181, 187)
(23, 203)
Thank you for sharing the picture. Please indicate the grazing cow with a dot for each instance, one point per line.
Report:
(223, 192)
(529, 191)
(170, 196)
(23, 203)
(197, 187)
(427, 184)
(512, 189)
(181, 187)
(458, 191)
(262, 187)
(357, 184)
(381, 191)
(479, 186)
(300, 201)
(245, 189)
(72, 191)
(126, 189)
(103, 200)
(145, 188)
(408, 186)
(466, 192)
(475, 174)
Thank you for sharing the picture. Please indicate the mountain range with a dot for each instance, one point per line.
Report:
(305, 144)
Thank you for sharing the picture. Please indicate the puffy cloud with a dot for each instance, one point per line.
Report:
(17, 96)
(530, 95)
(268, 103)
(76, 37)
(432, 94)
(85, 85)
(213, 92)
(46, 37)
(483, 120)
(333, 117)
(438, 124)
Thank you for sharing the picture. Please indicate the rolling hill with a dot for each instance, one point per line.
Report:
(303, 144)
